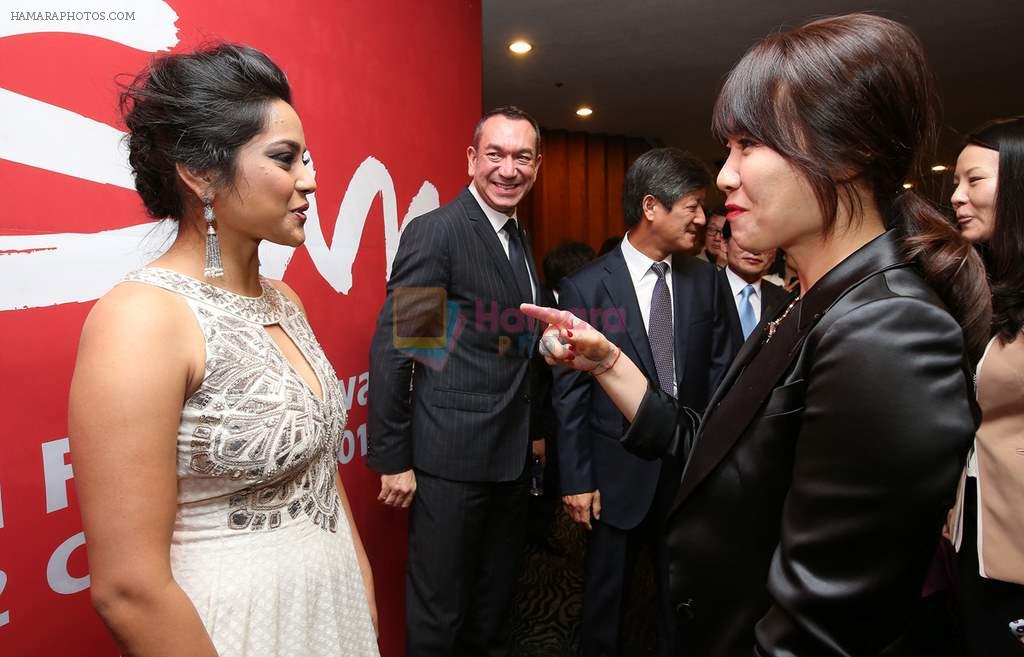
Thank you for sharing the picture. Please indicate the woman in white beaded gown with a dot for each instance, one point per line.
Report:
(204, 417)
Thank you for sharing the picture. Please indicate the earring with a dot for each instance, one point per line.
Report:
(213, 267)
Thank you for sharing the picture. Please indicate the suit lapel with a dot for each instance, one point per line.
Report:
(746, 352)
(536, 328)
(707, 452)
(683, 295)
(485, 232)
(620, 288)
(530, 264)
(772, 298)
(730, 306)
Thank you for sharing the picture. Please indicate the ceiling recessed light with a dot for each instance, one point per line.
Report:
(907, 185)
(520, 47)
(939, 167)
(584, 111)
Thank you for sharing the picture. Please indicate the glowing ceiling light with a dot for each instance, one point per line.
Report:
(584, 111)
(907, 185)
(940, 167)
(520, 47)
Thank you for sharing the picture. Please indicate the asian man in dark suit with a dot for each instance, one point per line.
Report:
(663, 308)
(749, 296)
(450, 433)
(563, 259)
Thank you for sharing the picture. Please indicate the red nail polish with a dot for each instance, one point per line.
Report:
(569, 333)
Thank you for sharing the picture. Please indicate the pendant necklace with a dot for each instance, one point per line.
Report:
(773, 325)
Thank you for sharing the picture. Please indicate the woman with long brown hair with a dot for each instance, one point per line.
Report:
(815, 488)
(988, 520)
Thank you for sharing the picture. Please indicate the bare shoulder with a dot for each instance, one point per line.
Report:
(136, 307)
(136, 323)
(286, 290)
(141, 350)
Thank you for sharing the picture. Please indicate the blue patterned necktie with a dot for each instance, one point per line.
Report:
(748, 321)
(659, 332)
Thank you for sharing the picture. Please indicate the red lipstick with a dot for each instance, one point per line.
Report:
(734, 210)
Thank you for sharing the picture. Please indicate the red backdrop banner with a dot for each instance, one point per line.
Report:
(388, 93)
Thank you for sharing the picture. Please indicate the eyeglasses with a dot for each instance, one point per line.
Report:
(713, 232)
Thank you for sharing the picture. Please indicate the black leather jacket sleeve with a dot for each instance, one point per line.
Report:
(661, 426)
(885, 429)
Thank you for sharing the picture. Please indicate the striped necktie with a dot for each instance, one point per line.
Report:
(659, 332)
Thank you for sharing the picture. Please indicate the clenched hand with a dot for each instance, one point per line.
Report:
(582, 506)
(397, 489)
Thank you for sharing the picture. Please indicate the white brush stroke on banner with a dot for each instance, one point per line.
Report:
(45, 270)
(51, 269)
(34, 268)
(370, 179)
(61, 141)
(146, 25)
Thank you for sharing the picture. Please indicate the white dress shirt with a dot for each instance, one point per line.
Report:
(643, 279)
(498, 221)
(737, 285)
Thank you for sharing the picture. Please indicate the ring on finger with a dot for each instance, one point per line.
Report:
(547, 343)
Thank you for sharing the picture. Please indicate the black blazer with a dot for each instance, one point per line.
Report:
(464, 416)
(589, 425)
(772, 296)
(806, 518)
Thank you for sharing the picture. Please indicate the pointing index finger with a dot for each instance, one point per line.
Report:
(553, 316)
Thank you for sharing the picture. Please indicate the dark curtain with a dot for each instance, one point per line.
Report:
(578, 193)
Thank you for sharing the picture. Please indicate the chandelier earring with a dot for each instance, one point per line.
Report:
(213, 267)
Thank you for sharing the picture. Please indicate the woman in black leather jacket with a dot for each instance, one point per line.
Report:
(816, 486)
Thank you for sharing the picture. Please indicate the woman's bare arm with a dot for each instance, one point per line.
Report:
(135, 365)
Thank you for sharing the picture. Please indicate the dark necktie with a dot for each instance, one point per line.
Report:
(659, 332)
(517, 257)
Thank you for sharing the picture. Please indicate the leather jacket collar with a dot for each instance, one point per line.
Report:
(880, 254)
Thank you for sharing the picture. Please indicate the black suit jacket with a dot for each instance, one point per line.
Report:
(590, 455)
(466, 416)
(772, 297)
(807, 516)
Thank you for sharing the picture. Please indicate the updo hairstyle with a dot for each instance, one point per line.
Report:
(196, 109)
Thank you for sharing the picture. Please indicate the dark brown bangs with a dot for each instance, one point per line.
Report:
(764, 99)
(747, 103)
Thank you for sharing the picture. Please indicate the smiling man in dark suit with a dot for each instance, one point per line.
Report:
(450, 434)
(749, 296)
(662, 308)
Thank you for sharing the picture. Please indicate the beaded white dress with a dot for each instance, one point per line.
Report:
(261, 543)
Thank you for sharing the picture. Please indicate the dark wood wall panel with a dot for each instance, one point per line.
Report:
(578, 193)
